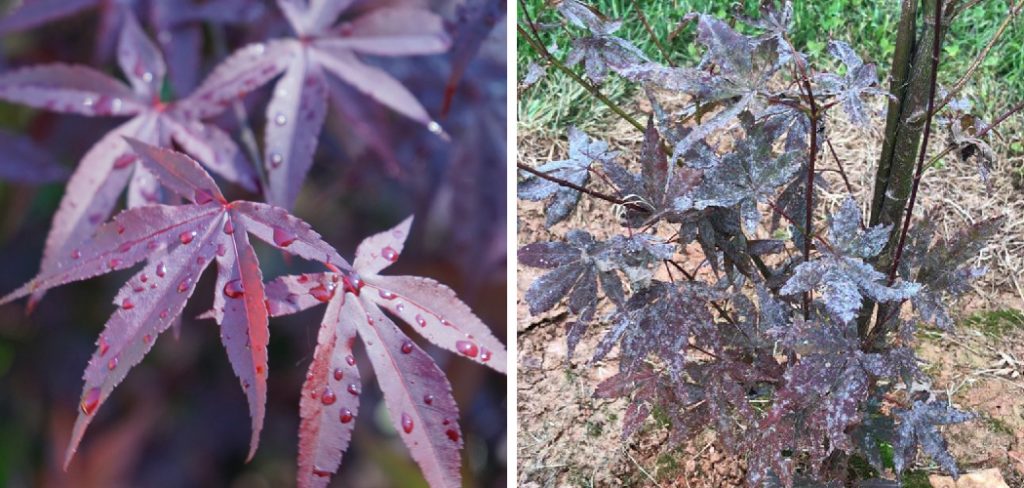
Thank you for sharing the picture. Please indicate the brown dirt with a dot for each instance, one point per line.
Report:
(567, 438)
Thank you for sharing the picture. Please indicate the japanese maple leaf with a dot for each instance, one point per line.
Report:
(583, 152)
(600, 50)
(179, 243)
(109, 166)
(295, 115)
(859, 80)
(919, 426)
(840, 274)
(664, 190)
(417, 394)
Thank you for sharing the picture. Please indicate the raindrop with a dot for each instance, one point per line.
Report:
(161, 270)
(387, 295)
(452, 434)
(275, 160)
(164, 313)
(321, 473)
(328, 397)
(147, 77)
(90, 401)
(104, 347)
(123, 161)
(428, 399)
(258, 48)
(221, 250)
(352, 283)
(400, 307)
(353, 388)
(406, 423)
(280, 119)
(75, 254)
(421, 321)
(406, 347)
(466, 348)
(389, 253)
(346, 416)
(184, 285)
(338, 374)
(187, 236)
(485, 355)
(351, 360)
(322, 293)
(114, 263)
(112, 363)
(123, 248)
(233, 289)
(283, 237)
(147, 339)
(434, 127)
(127, 304)
(144, 278)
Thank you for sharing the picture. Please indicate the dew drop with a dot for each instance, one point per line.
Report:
(233, 288)
(452, 434)
(76, 254)
(187, 236)
(90, 401)
(434, 127)
(338, 374)
(275, 160)
(123, 248)
(346, 416)
(104, 346)
(143, 278)
(322, 293)
(352, 283)
(466, 348)
(114, 263)
(328, 397)
(146, 339)
(283, 237)
(112, 363)
(421, 321)
(200, 260)
(259, 370)
(485, 354)
(221, 250)
(446, 323)
(406, 423)
(321, 473)
(351, 360)
(127, 304)
(400, 307)
(303, 279)
(353, 388)
(389, 253)
(280, 119)
(164, 313)
(446, 422)
(406, 347)
(387, 295)
(161, 270)
(428, 399)
(184, 285)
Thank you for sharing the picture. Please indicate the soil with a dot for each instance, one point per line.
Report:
(566, 438)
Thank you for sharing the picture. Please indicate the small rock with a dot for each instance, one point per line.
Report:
(988, 478)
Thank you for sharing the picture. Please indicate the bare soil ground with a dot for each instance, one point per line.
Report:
(566, 438)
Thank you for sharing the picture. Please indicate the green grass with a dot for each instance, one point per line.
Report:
(868, 25)
(996, 323)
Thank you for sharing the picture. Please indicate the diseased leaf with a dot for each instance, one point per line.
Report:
(919, 427)
(859, 80)
(583, 152)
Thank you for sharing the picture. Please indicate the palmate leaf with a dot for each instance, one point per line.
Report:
(749, 174)
(180, 242)
(296, 114)
(601, 50)
(663, 189)
(109, 166)
(583, 152)
(860, 79)
(417, 394)
(840, 275)
(919, 427)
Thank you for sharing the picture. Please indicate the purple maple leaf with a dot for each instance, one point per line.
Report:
(417, 394)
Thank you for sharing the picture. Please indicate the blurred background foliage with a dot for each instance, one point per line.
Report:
(180, 418)
(868, 25)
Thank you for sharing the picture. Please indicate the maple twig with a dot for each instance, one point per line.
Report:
(588, 191)
(538, 46)
(998, 120)
(839, 165)
(933, 82)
